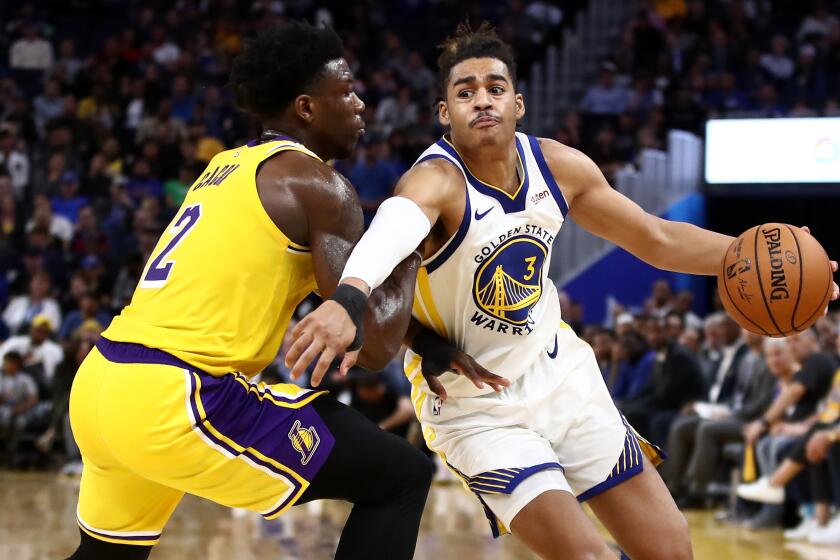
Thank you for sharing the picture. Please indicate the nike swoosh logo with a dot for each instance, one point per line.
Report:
(481, 215)
(553, 353)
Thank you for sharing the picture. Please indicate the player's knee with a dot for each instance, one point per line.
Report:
(418, 471)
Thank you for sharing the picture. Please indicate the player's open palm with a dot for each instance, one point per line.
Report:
(326, 332)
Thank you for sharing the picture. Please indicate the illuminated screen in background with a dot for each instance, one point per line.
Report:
(765, 151)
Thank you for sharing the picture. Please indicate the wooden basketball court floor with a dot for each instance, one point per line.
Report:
(37, 522)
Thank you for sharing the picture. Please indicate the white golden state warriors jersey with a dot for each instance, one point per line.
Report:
(487, 289)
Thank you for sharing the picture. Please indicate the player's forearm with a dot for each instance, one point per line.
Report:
(401, 415)
(388, 314)
(683, 247)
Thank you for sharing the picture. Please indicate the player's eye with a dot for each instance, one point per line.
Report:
(497, 90)
(464, 93)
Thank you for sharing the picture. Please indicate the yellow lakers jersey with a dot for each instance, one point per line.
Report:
(223, 281)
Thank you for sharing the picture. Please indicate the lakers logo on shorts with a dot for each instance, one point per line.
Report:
(509, 281)
(304, 440)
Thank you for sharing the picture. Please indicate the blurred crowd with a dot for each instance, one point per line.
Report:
(680, 62)
(721, 400)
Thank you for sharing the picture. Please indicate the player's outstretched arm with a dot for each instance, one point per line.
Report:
(315, 205)
(605, 212)
(399, 227)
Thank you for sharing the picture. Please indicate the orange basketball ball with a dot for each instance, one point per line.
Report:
(776, 280)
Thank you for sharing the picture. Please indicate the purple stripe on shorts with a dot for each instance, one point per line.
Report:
(134, 538)
(199, 421)
(295, 437)
(132, 353)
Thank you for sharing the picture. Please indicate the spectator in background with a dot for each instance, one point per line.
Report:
(675, 380)
(827, 334)
(206, 146)
(380, 399)
(43, 217)
(49, 105)
(373, 175)
(59, 418)
(40, 354)
(23, 309)
(175, 190)
(697, 438)
(606, 97)
(67, 62)
(633, 365)
(807, 376)
(770, 488)
(396, 112)
(142, 183)
(778, 65)
(127, 279)
(88, 310)
(15, 161)
(164, 51)
(603, 343)
(659, 303)
(419, 77)
(18, 396)
(68, 202)
(31, 52)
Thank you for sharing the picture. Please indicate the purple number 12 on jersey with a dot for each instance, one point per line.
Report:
(158, 272)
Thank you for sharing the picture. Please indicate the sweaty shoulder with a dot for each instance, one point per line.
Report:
(296, 189)
(573, 170)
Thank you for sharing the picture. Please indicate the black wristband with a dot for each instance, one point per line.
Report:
(354, 301)
(437, 353)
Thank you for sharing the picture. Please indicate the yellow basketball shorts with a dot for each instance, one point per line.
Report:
(151, 428)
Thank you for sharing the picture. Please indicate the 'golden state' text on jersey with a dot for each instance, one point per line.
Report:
(487, 289)
(223, 280)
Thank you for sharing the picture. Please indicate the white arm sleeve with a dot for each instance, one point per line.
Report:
(395, 232)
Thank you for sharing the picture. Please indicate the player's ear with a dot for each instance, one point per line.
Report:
(303, 107)
(443, 113)
(520, 106)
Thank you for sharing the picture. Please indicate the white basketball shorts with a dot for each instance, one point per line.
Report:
(554, 428)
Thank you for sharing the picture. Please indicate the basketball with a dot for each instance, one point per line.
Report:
(775, 280)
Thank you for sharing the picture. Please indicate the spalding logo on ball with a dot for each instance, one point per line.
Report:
(775, 280)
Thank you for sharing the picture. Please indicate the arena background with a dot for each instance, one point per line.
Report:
(110, 109)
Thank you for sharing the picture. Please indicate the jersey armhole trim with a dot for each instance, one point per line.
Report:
(548, 176)
(435, 261)
(291, 246)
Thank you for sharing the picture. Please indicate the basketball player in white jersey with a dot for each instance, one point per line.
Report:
(484, 205)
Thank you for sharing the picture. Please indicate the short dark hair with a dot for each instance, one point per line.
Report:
(279, 64)
(473, 43)
(14, 356)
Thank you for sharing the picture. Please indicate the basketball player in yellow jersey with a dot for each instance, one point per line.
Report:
(484, 204)
(163, 405)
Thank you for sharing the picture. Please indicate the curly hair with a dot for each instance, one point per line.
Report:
(280, 64)
(469, 43)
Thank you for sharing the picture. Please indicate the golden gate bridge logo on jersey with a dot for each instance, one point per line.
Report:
(304, 440)
(509, 282)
